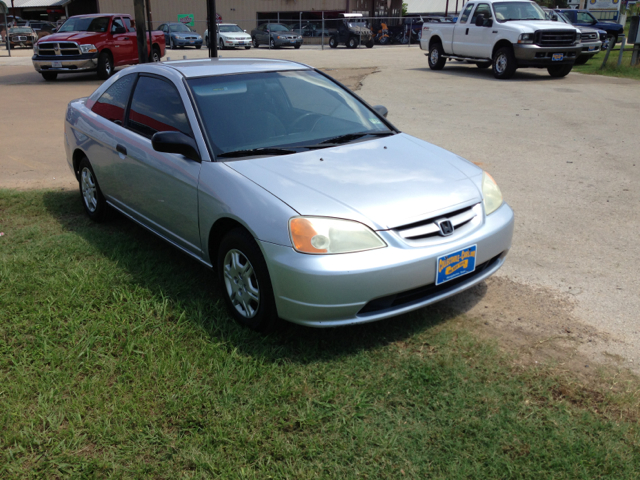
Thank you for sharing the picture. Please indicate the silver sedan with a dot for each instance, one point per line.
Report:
(307, 202)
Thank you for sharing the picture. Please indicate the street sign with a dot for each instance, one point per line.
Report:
(218, 18)
(187, 19)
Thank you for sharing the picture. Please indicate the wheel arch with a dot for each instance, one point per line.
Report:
(78, 155)
(433, 40)
(217, 232)
(500, 44)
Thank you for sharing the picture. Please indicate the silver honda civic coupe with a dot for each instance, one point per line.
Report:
(308, 203)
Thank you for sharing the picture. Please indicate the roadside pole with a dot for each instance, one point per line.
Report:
(622, 45)
(138, 8)
(212, 26)
(323, 30)
(606, 55)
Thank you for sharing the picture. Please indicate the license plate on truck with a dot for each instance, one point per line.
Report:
(456, 264)
(557, 57)
(56, 64)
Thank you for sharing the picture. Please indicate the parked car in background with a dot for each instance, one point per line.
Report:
(22, 37)
(504, 35)
(93, 43)
(275, 35)
(583, 18)
(309, 29)
(591, 39)
(230, 35)
(42, 28)
(307, 202)
(179, 35)
(352, 30)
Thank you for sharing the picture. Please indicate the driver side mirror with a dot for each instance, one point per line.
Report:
(554, 17)
(381, 110)
(480, 20)
(176, 142)
(117, 29)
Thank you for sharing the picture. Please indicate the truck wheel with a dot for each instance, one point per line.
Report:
(333, 42)
(105, 68)
(436, 60)
(504, 63)
(483, 64)
(369, 44)
(352, 42)
(49, 76)
(613, 37)
(559, 71)
(155, 55)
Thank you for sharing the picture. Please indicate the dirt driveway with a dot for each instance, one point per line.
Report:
(564, 152)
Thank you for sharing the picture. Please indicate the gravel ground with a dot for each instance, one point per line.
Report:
(564, 152)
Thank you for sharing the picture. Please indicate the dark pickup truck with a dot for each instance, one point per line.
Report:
(582, 18)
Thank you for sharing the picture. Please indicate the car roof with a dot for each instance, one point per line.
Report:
(227, 66)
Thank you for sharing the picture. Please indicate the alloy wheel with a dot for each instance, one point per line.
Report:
(241, 283)
(89, 191)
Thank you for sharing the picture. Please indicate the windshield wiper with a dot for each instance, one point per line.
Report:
(352, 136)
(257, 151)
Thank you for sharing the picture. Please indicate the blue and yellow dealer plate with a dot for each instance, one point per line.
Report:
(455, 264)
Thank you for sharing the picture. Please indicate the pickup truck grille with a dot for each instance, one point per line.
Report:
(58, 49)
(554, 38)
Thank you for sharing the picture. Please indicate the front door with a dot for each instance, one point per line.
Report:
(123, 43)
(480, 39)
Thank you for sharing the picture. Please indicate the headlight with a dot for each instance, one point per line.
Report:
(578, 36)
(491, 194)
(35, 49)
(525, 38)
(299, 37)
(320, 235)
(88, 48)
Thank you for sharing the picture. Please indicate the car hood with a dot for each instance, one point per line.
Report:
(529, 26)
(80, 37)
(384, 183)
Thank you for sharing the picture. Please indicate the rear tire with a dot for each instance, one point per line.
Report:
(504, 63)
(105, 67)
(93, 201)
(49, 76)
(245, 282)
(559, 71)
(155, 55)
(333, 42)
(436, 59)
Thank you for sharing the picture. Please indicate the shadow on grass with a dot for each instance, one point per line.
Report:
(193, 291)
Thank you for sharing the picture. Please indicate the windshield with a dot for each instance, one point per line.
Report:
(278, 110)
(179, 27)
(274, 27)
(230, 28)
(85, 24)
(562, 18)
(20, 30)
(357, 23)
(508, 11)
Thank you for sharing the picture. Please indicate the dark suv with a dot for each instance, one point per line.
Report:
(353, 30)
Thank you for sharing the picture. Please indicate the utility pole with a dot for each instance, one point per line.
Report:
(138, 8)
(212, 26)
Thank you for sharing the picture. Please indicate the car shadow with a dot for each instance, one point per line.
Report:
(192, 290)
(459, 69)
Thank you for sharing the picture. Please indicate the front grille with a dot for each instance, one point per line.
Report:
(58, 49)
(589, 36)
(429, 228)
(554, 38)
(421, 294)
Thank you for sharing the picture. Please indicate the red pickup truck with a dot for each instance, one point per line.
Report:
(93, 43)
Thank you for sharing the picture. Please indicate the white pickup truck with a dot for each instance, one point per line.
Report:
(503, 34)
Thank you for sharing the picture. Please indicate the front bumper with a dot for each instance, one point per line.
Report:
(178, 42)
(530, 55)
(590, 49)
(282, 42)
(237, 43)
(333, 290)
(65, 64)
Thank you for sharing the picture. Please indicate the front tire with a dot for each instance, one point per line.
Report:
(436, 59)
(93, 201)
(369, 44)
(255, 42)
(272, 43)
(333, 42)
(352, 42)
(247, 47)
(105, 67)
(198, 47)
(504, 63)
(220, 45)
(559, 71)
(245, 281)
(49, 76)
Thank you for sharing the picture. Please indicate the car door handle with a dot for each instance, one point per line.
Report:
(467, 32)
(121, 149)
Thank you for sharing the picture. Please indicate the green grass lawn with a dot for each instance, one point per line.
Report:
(625, 70)
(117, 358)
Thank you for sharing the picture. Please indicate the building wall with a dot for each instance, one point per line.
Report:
(232, 11)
